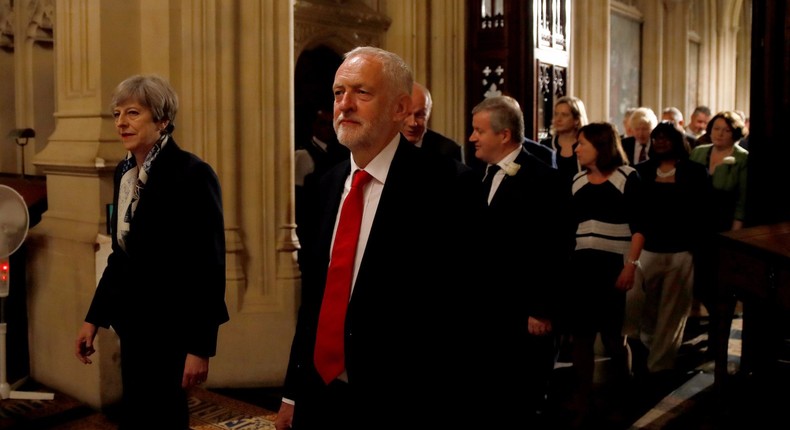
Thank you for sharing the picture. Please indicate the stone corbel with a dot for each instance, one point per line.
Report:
(6, 25)
(42, 15)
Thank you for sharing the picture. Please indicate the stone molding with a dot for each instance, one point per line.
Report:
(341, 25)
(39, 16)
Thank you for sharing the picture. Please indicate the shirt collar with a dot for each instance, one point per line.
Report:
(379, 166)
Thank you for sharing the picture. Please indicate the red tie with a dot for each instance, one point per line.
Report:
(329, 343)
(643, 153)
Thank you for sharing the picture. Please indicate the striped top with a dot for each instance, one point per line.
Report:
(606, 214)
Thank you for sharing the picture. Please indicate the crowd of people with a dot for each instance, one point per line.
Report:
(590, 232)
(420, 273)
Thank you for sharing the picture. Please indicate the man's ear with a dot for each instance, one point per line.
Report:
(506, 135)
(403, 107)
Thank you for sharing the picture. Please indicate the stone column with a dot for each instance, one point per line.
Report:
(446, 77)
(589, 63)
(675, 58)
(727, 29)
(91, 57)
(246, 125)
(430, 36)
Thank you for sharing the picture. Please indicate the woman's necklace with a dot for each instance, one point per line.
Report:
(666, 174)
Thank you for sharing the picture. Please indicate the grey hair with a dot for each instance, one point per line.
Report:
(702, 109)
(505, 113)
(151, 91)
(675, 113)
(428, 99)
(393, 67)
(644, 115)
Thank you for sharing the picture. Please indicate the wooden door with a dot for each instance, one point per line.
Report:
(521, 49)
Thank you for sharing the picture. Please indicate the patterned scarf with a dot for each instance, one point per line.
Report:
(132, 184)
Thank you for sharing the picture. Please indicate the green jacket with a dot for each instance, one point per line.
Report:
(729, 177)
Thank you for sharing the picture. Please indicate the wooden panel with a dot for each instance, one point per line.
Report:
(742, 272)
(756, 261)
(502, 54)
(755, 264)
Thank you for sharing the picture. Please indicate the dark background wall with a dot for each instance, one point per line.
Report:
(768, 192)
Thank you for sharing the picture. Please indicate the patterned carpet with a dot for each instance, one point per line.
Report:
(209, 411)
(685, 403)
(39, 414)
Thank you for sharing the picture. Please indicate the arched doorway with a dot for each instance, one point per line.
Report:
(314, 74)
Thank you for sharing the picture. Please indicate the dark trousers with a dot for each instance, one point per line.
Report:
(327, 407)
(151, 374)
(539, 366)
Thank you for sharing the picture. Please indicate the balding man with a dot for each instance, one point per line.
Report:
(415, 127)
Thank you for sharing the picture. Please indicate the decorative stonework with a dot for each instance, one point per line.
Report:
(340, 24)
(39, 15)
(42, 17)
(6, 25)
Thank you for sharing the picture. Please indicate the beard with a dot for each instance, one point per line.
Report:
(362, 133)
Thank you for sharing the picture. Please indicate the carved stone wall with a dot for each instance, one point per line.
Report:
(340, 25)
(26, 58)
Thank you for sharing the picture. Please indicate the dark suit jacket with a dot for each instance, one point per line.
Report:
(629, 146)
(304, 198)
(544, 153)
(568, 166)
(665, 221)
(172, 273)
(165, 294)
(629, 143)
(440, 144)
(524, 256)
(692, 140)
(527, 213)
(401, 314)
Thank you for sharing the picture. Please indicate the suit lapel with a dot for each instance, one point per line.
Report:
(391, 201)
(509, 183)
(332, 193)
(159, 177)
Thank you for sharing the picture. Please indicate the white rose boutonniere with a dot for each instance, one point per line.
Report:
(728, 160)
(511, 168)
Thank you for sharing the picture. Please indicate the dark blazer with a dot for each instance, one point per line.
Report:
(568, 166)
(629, 143)
(629, 146)
(440, 144)
(692, 140)
(527, 213)
(524, 255)
(304, 197)
(401, 316)
(165, 294)
(669, 221)
(543, 152)
(178, 226)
